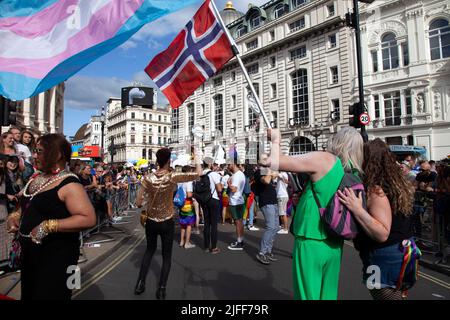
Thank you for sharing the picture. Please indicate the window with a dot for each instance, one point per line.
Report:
(203, 87)
(252, 69)
(252, 44)
(272, 35)
(273, 90)
(165, 119)
(241, 30)
(389, 51)
(133, 128)
(150, 128)
(297, 25)
(255, 21)
(392, 109)
(159, 140)
(376, 100)
(300, 145)
(175, 122)
(203, 109)
(190, 115)
(408, 107)
(334, 75)
(165, 129)
(298, 53)
(217, 82)
(159, 118)
(300, 95)
(144, 139)
(165, 141)
(439, 34)
(218, 115)
(132, 139)
(374, 55)
(336, 108)
(145, 116)
(233, 125)
(275, 119)
(298, 3)
(150, 116)
(332, 41)
(233, 75)
(252, 116)
(159, 129)
(279, 11)
(96, 127)
(405, 54)
(233, 101)
(133, 115)
(272, 62)
(330, 9)
(144, 128)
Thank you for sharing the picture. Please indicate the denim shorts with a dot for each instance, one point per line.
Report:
(389, 260)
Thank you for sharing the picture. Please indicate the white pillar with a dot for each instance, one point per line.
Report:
(382, 113)
(41, 112)
(52, 110)
(402, 106)
(26, 113)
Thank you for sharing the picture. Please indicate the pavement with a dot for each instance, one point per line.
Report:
(99, 246)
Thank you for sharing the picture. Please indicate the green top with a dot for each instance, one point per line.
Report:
(307, 221)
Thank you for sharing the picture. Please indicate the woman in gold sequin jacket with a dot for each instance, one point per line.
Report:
(158, 191)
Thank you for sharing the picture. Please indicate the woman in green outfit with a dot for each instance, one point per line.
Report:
(316, 256)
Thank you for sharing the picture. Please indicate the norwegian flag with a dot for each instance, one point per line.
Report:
(195, 55)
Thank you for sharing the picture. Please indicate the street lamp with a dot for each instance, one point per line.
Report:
(316, 132)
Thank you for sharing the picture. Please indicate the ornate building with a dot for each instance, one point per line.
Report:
(137, 132)
(406, 54)
(43, 113)
(298, 55)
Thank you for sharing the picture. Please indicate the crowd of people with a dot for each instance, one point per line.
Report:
(37, 177)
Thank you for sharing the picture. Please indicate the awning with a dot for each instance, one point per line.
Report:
(399, 149)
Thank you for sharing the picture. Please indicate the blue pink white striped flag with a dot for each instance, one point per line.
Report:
(43, 43)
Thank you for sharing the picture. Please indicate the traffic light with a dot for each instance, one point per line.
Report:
(354, 112)
(8, 112)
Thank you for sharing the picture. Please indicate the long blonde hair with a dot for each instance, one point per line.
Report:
(347, 144)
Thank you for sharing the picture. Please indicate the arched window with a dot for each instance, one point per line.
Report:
(300, 95)
(241, 30)
(298, 3)
(279, 11)
(218, 112)
(191, 118)
(300, 145)
(439, 39)
(389, 50)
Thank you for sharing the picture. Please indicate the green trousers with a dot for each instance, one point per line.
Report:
(316, 266)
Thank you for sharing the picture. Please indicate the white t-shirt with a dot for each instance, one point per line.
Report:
(214, 178)
(25, 152)
(282, 186)
(187, 187)
(225, 180)
(237, 180)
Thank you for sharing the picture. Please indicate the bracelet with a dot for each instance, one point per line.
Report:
(51, 226)
(41, 233)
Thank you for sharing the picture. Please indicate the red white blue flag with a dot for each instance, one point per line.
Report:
(195, 55)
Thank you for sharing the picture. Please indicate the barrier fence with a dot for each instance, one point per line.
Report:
(120, 201)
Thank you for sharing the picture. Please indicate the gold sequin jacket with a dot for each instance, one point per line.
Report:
(159, 190)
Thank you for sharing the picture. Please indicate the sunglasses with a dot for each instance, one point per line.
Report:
(38, 150)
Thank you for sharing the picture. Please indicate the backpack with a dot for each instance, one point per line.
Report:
(202, 189)
(180, 197)
(337, 219)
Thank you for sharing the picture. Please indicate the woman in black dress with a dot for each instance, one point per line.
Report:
(55, 208)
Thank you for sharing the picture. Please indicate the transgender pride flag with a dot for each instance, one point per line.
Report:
(44, 42)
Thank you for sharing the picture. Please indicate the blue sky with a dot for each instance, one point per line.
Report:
(90, 88)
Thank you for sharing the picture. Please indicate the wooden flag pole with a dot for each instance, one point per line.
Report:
(241, 64)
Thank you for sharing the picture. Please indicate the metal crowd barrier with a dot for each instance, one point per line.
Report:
(431, 225)
(5, 244)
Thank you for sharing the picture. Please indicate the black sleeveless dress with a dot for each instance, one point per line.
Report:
(44, 267)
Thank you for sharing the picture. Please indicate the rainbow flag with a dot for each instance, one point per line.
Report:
(248, 203)
(43, 43)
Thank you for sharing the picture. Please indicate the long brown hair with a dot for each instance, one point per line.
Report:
(381, 170)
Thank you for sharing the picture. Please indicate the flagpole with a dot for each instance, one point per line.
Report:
(241, 64)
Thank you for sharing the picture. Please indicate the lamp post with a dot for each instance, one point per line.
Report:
(102, 121)
(316, 132)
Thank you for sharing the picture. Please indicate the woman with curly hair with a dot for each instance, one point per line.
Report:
(385, 244)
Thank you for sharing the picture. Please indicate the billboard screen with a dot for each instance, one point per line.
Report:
(141, 96)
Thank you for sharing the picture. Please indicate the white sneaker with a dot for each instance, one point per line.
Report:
(283, 231)
(189, 246)
(117, 218)
(253, 228)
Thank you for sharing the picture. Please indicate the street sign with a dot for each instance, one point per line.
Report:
(364, 118)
